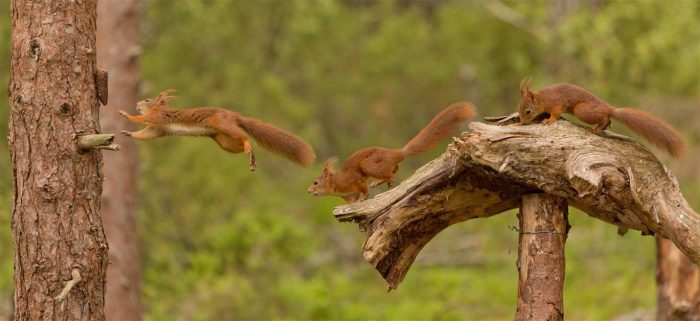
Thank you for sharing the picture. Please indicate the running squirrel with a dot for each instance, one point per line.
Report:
(350, 182)
(568, 98)
(227, 128)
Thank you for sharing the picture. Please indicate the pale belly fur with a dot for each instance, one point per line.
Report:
(184, 130)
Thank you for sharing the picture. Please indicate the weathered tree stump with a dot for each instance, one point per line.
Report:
(485, 172)
(544, 225)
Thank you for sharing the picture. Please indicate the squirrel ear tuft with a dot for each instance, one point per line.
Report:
(164, 95)
(328, 165)
(525, 86)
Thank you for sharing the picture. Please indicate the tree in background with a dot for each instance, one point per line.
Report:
(117, 52)
(60, 249)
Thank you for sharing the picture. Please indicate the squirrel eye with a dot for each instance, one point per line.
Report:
(148, 100)
(528, 111)
(316, 182)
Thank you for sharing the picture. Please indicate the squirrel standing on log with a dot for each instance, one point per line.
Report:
(350, 182)
(568, 98)
(228, 129)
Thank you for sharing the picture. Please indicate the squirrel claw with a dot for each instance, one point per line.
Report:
(123, 113)
(379, 182)
(125, 133)
(595, 130)
(251, 163)
(375, 184)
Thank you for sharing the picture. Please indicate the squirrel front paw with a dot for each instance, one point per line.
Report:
(126, 133)
(123, 113)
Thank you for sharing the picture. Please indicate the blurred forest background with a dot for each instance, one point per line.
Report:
(222, 243)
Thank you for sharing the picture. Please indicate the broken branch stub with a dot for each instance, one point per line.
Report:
(97, 141)
(485, 172)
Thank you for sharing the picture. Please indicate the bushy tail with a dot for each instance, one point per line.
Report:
(279, 141)
(446, 122)
(653, 129)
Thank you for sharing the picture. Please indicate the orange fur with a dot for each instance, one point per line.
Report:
(560, 98)
(228, 129)
(653, 129)
(350, 182)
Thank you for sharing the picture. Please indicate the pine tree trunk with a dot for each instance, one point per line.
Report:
(117, 52)
(678, 284)
(543, 229)
(56, 226)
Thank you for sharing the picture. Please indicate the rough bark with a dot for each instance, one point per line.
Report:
(678, 284)
(485, 172)
(117, 52)
(544, 226)
(56, 227)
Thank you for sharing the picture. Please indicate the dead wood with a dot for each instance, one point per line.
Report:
(485, 172)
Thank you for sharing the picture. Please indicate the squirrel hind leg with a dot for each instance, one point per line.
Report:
(594, 114)
(251, 156)
(388, 179)
(236, 145)
(599, 128)
(603, 126)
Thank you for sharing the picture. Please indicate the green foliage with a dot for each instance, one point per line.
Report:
(222, 243)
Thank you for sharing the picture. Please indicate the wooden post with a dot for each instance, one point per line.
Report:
(543, 228)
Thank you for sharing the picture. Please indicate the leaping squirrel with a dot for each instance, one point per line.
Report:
(228, 129)
(568, 98)
(350, 182)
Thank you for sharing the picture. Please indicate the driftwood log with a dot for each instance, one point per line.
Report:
(487, 171)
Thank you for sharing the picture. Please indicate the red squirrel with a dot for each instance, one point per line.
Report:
(350, 182)
(568, 98)
(228, 129)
